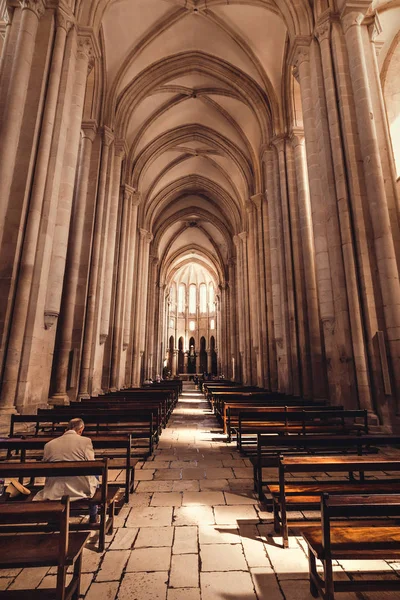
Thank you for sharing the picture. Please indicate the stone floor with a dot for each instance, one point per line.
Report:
(194, 530)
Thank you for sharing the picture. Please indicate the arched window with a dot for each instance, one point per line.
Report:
(212, 324)
(211, 298)
(192, 325)
(203, 298)
(181, 298)
(192, 299)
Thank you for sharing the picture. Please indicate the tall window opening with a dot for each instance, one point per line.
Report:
(181, 298)
(192, 299)
(203, 298)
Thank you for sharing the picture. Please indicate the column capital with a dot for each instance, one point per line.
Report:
(108, 136)
(267, 153)
(243, 235)
(353, 13)
(64, 18)
(91, 41)
(89, 129)
(236, 240)
(279, 142)
(249, 206)
(296, 136)
(120, 148)
(300, 50)
(322, 29)
(145, 235)
(257, 200)
(128, 192)
(36, 6)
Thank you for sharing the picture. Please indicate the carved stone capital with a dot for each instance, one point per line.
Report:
(120, 149)
(102, 338)
(36, 6)
(296, 136)
(279, 142)
(243, 235)
(136, 198)
(322, 30)
(108, 136)
(85, 48)
(300, 51)
(236, 240)
(145, 235)
(257, 200)
(64, 19)
(89, 129)
(353, 13)
(50, 317)
(128, 192)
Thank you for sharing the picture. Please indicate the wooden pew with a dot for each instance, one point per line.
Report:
(61, 550)
(105, 496)
(111, 444)
(233, 409)
(139, 424)
(329, 421)
(271, 447)
(299, 495)
(353, 540)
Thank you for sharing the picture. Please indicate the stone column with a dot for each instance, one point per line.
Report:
(55, 278)
(276, 268)
(307, 241)
(323, 31)
(40, 191)
(254, 292)
(378, 207)
(89, 329)
(328, 252)
(248, 354)
(120, 292)
(5, 31)
(12, 117)
(128, 321)
(119, 153)
(66, 321)
(286, 270)
(239, 310)
(174, 362)
(141, 302)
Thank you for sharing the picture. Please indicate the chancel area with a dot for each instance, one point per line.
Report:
(200, 258)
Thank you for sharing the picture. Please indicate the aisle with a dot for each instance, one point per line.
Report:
(193, 530)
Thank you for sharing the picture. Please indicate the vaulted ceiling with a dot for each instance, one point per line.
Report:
(195, 88)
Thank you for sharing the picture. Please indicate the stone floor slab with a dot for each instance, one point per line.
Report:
(143, 586)
(219, 586)
(149, 559)
(222, 557)
(153, 537)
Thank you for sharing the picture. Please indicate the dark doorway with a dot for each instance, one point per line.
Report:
(214, 362)
(170, 354)
(203, 355)
(181, 356)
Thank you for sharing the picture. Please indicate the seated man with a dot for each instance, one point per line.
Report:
(71, 446)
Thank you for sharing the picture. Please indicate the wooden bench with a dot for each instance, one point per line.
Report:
(271, 447)
(330, 421)
(61, 549)
(353, 540)
(139, 424)
(233, 409)
(104, 497)
(117, 449)
(300, 495)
